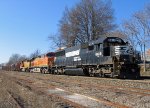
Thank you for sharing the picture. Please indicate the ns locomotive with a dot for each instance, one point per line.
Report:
(109, 56)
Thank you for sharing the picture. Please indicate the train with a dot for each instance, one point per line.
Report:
(104, 57)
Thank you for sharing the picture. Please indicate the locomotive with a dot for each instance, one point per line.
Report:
(42, 63)
(110, 56)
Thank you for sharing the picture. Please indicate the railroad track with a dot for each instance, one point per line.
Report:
(129, 90)
(142, 80)
(37, 89)
(25, 82)
(137, 91)
(14, 100)
(59, 93)
(68, 84)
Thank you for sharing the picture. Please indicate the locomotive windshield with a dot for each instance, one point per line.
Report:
(50, 54)
(111, 41)
(60, 53)
(114, 41)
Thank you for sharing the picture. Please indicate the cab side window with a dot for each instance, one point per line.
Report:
(98, 47)
(90, 48)
(60, 53)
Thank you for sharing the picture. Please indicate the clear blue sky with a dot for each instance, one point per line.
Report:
(26, 24)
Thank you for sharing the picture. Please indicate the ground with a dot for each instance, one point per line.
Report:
(35, 90)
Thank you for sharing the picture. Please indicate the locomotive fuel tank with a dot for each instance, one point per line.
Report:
(75, 71)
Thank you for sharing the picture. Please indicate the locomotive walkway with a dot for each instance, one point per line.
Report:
(80, 91)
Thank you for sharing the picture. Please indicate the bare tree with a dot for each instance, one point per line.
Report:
(15, 58)
(22, 57)
(56, 41)
(130, 30)
(88, 20)
(65, 29)
(138, 30)
(148, 9)
(35, 54)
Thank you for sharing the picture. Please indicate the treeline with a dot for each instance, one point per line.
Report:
(137, 28)
(15, 58)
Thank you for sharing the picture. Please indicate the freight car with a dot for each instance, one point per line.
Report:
(110, 56)
(6, 67)
(15, 67)
(12, 67)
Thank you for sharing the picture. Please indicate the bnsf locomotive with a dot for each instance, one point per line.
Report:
(109, 56)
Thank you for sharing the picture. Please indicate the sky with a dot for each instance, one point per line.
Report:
(26, 24)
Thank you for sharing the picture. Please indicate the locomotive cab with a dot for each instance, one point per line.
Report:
(115, 58)
(124, 64)
(109, 43)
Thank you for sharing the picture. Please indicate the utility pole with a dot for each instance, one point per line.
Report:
(144, 59)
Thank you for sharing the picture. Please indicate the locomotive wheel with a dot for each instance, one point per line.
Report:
(85, 71)
(54, 72)
(122, 76)
(61, 71)
(137, 77)
(112, 75)
(138, 73)
(57, 72)
(101, 74)
(50, 71)
(43, 71)
(91, 72)
(30, 70)
(27, 70)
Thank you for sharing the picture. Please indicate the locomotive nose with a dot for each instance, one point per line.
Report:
(123, 50)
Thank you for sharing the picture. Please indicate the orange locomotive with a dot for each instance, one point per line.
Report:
(42, 63)
(25, 65)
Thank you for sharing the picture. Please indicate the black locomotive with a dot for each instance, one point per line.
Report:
(109, 56)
